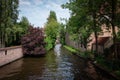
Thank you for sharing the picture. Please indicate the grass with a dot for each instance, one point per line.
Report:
(70, 49)
(85, 54)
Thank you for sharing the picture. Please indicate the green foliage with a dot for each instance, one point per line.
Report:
(8, 18)
(24, 24)
(86, 54)
(11, 30)
(62, 34)
(88, 15)
(110, 12)
(14, 33)
(100, 59)
(118, 36)
(49, 43)
(51, 30)
(52, 16)
(79, 24)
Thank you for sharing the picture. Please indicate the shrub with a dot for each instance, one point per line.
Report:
(33, 42)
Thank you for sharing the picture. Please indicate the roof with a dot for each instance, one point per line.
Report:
(101, 40)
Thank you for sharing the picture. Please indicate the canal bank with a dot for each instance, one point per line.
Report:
(94, 67)
(10, 54)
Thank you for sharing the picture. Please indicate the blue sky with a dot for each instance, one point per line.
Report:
(37, 11)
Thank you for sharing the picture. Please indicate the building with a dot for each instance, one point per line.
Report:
(104, 39)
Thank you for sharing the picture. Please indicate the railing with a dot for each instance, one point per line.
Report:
(7, 48)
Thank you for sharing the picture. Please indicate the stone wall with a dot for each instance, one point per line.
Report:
(10, 54)
(73, 43)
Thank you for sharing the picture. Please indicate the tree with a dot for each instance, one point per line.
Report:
(15, 32)
(51, 30)
(62, 33)
(24, 24)
(51, 17)
(33, 42)
(94, 9)
(94, 13)
(8, 17)
(110, 14)
(79, 23)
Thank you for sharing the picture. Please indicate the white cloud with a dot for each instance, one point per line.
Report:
(25, 2)
(37, 11)
(52, 6)
(61, 13)
(38, 2)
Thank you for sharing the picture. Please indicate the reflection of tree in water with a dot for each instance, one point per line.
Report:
(96, 73)
(11, 69)
(57, 49)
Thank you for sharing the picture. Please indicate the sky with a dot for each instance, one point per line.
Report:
(37, 11)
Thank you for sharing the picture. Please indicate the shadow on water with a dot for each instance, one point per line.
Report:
(10, 69)
(58, 64)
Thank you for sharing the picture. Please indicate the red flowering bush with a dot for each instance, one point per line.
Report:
(33, 42)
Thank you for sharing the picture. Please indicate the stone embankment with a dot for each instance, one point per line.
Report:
(10, 54)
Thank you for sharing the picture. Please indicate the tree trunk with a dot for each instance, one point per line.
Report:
(95, 33)
(96, 43)
(113, 28)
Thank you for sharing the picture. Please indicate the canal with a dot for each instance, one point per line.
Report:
(58, 64)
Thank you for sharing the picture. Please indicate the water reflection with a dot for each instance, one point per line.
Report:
(57, 49)
(10, 69)
(56, 65)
